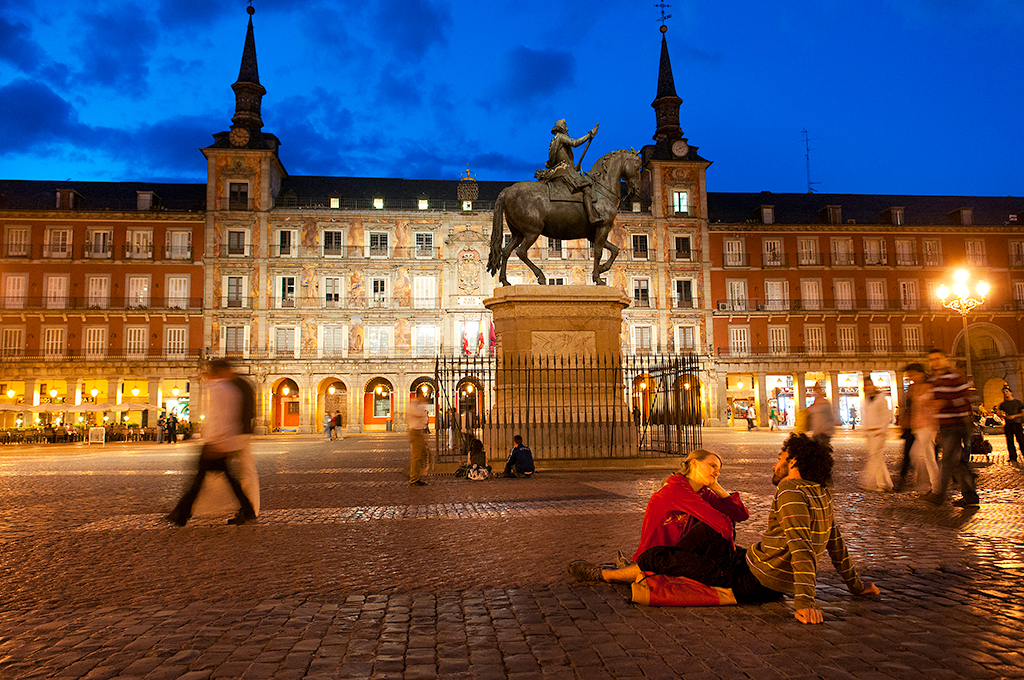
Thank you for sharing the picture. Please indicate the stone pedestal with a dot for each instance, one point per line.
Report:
(559, 381)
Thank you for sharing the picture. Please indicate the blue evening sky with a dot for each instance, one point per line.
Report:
(899, 96)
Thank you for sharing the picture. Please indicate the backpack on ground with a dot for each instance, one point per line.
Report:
(478, 473)
(248, 403)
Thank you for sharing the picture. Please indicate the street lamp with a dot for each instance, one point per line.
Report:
(961, 301)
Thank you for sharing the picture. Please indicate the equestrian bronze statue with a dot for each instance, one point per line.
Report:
(564, 205)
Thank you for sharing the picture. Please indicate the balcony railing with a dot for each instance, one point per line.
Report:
(685, 303)
(95, 302)
(643, 301)
(340, 302)
(1017, 260)
(824, 305)
(811, 259)
(91, 251)
(179, 252)
(683, 255)
(815, 351)
(774, 260)
(843, 259)
(56, 251)
(18, 249)
(645, 254)
(906, 260)
(876, 260)
(736, 260)
(78, 354)
(137, 252)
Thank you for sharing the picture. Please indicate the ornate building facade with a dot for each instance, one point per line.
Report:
(337, 293)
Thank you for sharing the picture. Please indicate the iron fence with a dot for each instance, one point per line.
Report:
(569, 407)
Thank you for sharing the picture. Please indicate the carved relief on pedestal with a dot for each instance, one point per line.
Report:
(563, 343)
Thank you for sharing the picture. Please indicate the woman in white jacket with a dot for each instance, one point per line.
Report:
(876, 417)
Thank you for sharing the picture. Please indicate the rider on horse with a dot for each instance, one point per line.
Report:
(561, 166)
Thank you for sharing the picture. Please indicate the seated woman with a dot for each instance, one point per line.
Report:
(690, 513)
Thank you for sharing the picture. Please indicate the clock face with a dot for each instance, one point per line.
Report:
(680, 148)
(239, 137)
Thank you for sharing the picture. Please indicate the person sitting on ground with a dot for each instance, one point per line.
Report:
(691, 512)
(801, 529)
(520, 461)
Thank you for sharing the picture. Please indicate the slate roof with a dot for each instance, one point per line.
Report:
(42, 195)
(388, 187)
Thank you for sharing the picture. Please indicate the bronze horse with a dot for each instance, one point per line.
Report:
(530, 213)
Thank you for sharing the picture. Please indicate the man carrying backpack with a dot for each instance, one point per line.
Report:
(520, 461)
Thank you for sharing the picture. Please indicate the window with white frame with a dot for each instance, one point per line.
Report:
(16, 242)
(177, 292)
(236, 340)
(912, 339)
(909, 297)
(139, 245)
(332, 292)
(640, 247)
(683, 249)
(814, 339)
(778, 339)
(378, 340)
(238, 242)
(286, 292)
(58, 243)
(686, 338)
(1017, 253)
(181, 244)
(876, 294)
(642, 339)
(378, 292)
(378, 202)
(842, 251)
(287, 243)
(13, 343)
(874, 251)
(54, 346)
(333, 243)
(846, 339)
(776, 295)
(176, 341)
(685, 298)
(424, 340)
(975, 251)
(56, 291)
(641, 293)
(424, 292)
(844, 293)
(736, 291)
(333, 340)
(285, 342)
(138, 292)
(135, 341)
(555, 250)
(234, 291)
(100, 244)
(734, 255)
(879, 339)
(739, 340)
(97, 292)
(1018, 293)
(773, 252)
(810, 294)
(931, 252)
(906, 252)
(681, 202)
(15, 290)
(377, 244)
(424, 244)
(809, 254)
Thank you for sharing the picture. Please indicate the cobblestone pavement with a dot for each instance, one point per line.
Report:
(351, 573)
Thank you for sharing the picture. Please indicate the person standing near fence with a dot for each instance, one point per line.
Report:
(416, 420)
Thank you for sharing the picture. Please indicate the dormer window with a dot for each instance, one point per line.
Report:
(378, 202)
(767, 214)
(467, 205)
(146, 200)
(893, 216)
(834, 214)
(423, 203)
(962, 216)
(335, 202)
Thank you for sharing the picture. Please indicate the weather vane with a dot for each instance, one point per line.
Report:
(663, 16)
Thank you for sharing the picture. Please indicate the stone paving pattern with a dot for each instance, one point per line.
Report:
(352, 573)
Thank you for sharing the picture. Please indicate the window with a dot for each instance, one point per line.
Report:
(139, 246)
(876, 294)
(333, 338)
(177, 292)
(842, 252)
(641, 293)
(284, 341)
(931, 252)
(810, 294)
(181, 244)
(424, 292)
(846, 338)
(135, 342)
(554, 248)
(778, 339)
(640, 247)
(238, 196)
(975, 251)
(97, 292)
(684, 294)
(378, 340)
(1018, 293)
(236, 243)
(734, 255)
(235, 340)
(235, 287)
(739, 340)
(287, 243)
(773, 253)
(138, 292)
(642, 339)
(736, 289)
(686, 338)
(809, 253)
(378, 203)
(844, 294)
(683, 250)
(424, 244)
(333, 244)
(814, 339)
(176, 341)
(1017, 253)
(776, 295)
(423, 203)
(53, 343)
(16, 244)
(767, 214)
(378, 245)
(56, 291)
(912, 339)
(58, 243)
(424, 339)
(15, 287)
(13, 343)
(100, 244)
(286, 292)
(880, 339)
(909, 298)
(332, 292)
(681, 202)
(378, 293)
(906, 255)
(556, 281)
(467, 205)
(335, 202)
(874, 252)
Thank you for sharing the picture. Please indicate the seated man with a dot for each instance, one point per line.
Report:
(520, 461)
(801, 529)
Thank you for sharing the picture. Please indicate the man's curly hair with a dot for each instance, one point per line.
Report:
(812, 458)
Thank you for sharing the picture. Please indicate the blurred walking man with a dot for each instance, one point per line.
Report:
(416, 418)
(953, 394)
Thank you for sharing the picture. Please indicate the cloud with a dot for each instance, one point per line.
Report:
(527, 74)
(34, 115)
(409, 28)
(116, 47)
(18, 48)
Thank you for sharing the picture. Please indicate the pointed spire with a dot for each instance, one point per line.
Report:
(249, 73)
(248, 91)
(666, 103)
